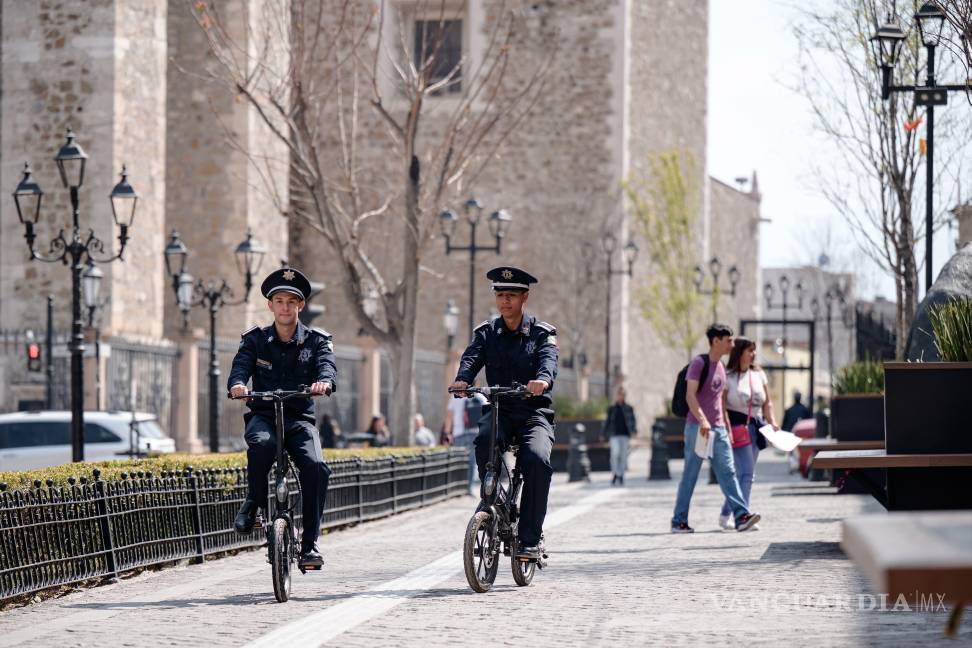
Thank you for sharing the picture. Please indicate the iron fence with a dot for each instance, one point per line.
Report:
(96, 529)
(142, 375)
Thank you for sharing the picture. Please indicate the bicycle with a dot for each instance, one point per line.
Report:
(493, 528)
(282, 546)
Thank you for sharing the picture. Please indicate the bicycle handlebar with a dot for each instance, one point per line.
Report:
(516, 390)
(277, 394)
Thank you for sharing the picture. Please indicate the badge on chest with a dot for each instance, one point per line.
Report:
(304, 356)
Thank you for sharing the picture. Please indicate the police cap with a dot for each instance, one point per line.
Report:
(510, 278)
(286, 280)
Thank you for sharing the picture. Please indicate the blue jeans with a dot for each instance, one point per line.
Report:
(745, 460)
(724, 469)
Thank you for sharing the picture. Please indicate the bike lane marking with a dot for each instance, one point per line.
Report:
(319, 628)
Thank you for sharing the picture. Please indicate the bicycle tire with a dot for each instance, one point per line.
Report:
(523, 570)
(480, 555)
(283, 556)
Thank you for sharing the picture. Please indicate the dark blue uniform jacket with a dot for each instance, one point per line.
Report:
(306, 359)
(529, 353)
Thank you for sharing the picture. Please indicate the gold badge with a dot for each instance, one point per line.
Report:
(507, 274)
(288, 275)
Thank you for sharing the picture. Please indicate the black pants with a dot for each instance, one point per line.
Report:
(304, 447)
(532, 431)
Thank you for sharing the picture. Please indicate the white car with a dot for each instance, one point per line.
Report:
(30, 440)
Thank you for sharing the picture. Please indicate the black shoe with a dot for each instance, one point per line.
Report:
(246, 518)
(682, 527)
(309, 555)
(746, 521)
(527, 552)
(621, 479)
(614, 479)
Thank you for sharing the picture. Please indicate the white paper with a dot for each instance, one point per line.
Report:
(704, 444)
(785, 441)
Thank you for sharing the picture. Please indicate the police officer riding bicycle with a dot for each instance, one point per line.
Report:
(285, 355)
(517, 348)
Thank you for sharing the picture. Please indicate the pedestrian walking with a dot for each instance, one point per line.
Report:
(466, 417)
(795, 412)
(619, 427)
(378, 429)
(706, 416)
(749, 407)
(330, 432)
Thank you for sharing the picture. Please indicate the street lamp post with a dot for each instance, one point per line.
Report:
(499, 224)
(833, 294)
(450, 321)
(91, 284)
(784, 303)
(886, 44)
(213, 295)
(75, 250)
(715, 270)
(609, 243)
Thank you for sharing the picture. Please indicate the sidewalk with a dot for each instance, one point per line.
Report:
(617, 577)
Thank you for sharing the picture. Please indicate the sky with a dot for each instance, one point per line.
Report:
(756, 122)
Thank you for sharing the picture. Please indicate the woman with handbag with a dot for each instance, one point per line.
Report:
(749, 406)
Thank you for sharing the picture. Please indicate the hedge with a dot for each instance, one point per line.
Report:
(175, 462)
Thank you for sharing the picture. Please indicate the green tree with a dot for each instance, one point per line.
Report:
(665, 206)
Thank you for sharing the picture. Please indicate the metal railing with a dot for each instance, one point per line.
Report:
(95, 529)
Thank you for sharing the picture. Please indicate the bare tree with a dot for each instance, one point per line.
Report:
(357, 75)
(958, 13)
(877, 143)
(665, 207)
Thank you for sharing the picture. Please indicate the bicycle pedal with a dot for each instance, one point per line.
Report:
(311, 568)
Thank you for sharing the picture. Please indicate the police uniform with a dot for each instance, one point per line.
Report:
(528, 353)
(272, 363)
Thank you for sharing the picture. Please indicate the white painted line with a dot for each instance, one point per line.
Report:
(319, 628)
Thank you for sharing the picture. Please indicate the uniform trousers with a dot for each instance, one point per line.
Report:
(303, 444)
(533, 432)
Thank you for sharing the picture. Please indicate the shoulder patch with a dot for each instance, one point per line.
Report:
(549, 328)
(484, 324)
(321, 331)
(249, 330)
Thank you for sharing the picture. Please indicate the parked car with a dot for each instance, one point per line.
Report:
(30, 440)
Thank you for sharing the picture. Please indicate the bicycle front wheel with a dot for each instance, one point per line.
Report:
(480, 552)
(283, 557)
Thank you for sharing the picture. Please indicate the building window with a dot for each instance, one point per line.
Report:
(441, 40)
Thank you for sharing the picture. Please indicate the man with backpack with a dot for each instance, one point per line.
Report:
(704, 382)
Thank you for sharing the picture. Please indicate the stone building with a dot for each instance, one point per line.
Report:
(129, 76)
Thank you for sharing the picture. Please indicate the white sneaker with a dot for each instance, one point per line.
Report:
(726, 522)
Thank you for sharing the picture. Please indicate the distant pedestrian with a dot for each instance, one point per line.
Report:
(748, 404)
(330, 432)
(465, 424)
(795, 412)
(705, 417)
(619, 428)
(423, 435)
(378, 429)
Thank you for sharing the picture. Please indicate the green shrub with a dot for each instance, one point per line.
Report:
(570, 408)
(952, 324)
(865, 377)
(176, 462)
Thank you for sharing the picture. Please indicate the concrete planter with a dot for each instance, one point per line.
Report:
(857, 417)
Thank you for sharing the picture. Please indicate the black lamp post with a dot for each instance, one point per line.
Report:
(833, 294)
(886, 44)
(212, 294)
(784, 303)
(76, 250)
(91, 288)
(609, 243)
(499, 224)
(450, 321)
(715, 271)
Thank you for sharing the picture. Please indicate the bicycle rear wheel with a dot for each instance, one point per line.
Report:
(480, 552)
(283, 557)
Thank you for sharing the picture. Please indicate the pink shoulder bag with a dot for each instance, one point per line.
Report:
(740, 433)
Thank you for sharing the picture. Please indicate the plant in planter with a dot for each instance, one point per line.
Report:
(926, 402)
(857, 408)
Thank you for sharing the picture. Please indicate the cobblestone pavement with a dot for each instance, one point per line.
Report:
(617, 577)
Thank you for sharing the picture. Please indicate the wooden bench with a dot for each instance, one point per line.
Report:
(835, 444)
(914, 481)
(925, 557)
